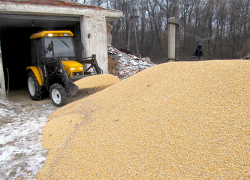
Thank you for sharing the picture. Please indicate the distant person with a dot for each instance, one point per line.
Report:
(198, 53)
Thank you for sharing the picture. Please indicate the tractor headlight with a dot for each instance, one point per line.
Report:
(72, 69)
(80, 68)
(49, 34)
(66, 34)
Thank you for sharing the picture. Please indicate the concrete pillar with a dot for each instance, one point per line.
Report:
(94, 39)
(2, 82)
(171, 39)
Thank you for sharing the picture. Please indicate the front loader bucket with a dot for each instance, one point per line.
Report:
(71, 87)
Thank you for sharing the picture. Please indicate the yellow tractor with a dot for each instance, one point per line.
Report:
(54, 66)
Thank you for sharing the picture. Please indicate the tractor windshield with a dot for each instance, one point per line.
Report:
(63, 47)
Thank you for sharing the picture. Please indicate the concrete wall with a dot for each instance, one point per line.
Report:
(2, 83)
(94, 39)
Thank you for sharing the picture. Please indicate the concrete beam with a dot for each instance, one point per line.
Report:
(171, 39)
(40, 17)
(15, 8)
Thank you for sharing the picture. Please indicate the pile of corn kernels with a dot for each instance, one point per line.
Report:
(178, 120)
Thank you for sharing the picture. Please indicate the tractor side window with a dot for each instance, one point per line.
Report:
(33, 52)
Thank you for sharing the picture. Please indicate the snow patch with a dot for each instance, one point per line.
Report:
(20, 146)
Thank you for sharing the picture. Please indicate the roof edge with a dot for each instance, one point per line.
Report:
(37, 9)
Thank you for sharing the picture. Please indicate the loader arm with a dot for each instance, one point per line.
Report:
(70, 87)
(93, 64)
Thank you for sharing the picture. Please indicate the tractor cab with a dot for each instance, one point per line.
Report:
(48, 45)
(53, 66)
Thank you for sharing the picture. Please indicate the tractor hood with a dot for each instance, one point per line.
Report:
(71, 64)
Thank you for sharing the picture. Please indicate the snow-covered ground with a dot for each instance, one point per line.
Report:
(21, 152)
(21, 124)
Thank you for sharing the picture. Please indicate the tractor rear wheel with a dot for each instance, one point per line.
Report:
(58, 95)
(35, 89)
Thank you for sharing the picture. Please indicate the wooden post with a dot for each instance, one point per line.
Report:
(136, 42)
(129, 32)
(132, 23)
(2, 81)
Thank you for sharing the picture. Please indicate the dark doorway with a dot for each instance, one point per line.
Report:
(15, 45)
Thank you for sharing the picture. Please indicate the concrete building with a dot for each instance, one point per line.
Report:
(19, 19)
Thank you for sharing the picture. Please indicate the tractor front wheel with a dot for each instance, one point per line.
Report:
(35, 89)
(58, 95)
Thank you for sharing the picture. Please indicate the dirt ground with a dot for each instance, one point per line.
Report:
(22, 96)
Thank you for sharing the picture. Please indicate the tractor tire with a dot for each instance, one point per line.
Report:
(35, 90)
(58, 95)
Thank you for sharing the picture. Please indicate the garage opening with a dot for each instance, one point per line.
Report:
(16, 48)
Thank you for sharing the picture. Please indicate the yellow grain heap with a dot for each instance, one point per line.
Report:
(179, 120)
(97, 82)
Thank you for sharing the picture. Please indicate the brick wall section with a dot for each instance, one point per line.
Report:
(109, 28)
(61, 3)
(109, 36)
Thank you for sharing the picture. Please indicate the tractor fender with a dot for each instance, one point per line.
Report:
(36, 72)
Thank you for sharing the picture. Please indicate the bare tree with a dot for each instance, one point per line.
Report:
(222, 25)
